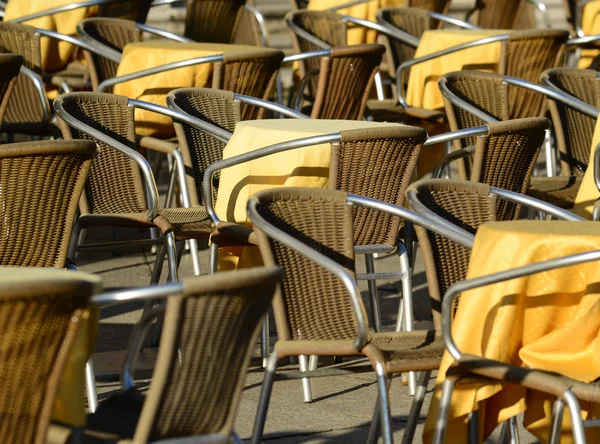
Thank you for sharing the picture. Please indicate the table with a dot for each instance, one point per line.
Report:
(365, 11)
(423, 91)
(588, 193)
(144, 55)
(55, 55)
(549, 321)
(301, 167)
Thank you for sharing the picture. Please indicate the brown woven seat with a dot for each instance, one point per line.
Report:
(214, 21)
(112, 33)
(40, 315)
(314, 312)
(560, 191)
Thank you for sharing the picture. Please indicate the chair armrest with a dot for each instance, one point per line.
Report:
(328, 264)
(407, 64)
(37, 81)
(541, 6)
(262, 25)
(256, 154)
(393, 33)
(162, 33)
(158, 69)
(154, 144)
(451, 157)
(305, 55)
(304, 34)
(65, 8)
(275, 107)
(457, 101)
(457, 135)
(95, 48)
(452, 21)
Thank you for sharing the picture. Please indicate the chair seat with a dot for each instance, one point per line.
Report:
(560, 191)
(186, 223)
(75, 74)
(389, 110)
(232, 234)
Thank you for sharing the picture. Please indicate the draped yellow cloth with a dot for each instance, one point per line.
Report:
(55, 55)
(154, 88)
(549, 321)
(590, 25)
(423, 91)
(300, 167)
(365, 11)
(588, 193)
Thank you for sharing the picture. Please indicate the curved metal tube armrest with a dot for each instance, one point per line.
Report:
(407, 64)
(333, 267)
(579, 15)
(583, 40)
(162, 33)
(256, 154)
(306, 55)
(305, 34)
(151, 188)
(262, 25)
(159, 69)
(165, 2)
(449, 158)
(597, 166)
(457, 135)
(532, 202)
(457, 101)
(437, 225)
(555, 94)
(452, 21)
(541, 6)
(39, 87)
(348, 5)
(462, 286)
(393, 33)
(58, 9)
(283, 110)
(111, 55)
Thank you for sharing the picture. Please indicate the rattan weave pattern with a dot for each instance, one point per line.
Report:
(576, 129)
(345, 81)
(199, 149)
(10, 64)
(38, 322)
(205, 351)
(114, 184)
(40, 186)
(311, 304)
(496, 14)
(113, 33)
(21, 39)
(326, 26)
(213, 21)
(560, 191)
(465, 204)
(377, 163)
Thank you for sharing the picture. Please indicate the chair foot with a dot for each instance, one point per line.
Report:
(265, 397)
(385, 417)
(90, 385)
(443, 412)
(415, 409)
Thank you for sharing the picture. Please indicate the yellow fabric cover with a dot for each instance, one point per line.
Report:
(55, 55)
(588, 193)
(300, 167)
(365, 11)
(423, 91)
(549, 321)
(144, 55)
(590, 25)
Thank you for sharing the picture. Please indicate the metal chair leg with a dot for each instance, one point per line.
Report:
(473, 427)
(514, 430)
(375, 429)
(90, 385)
(443, 411)
(407, 301)
(375, 311)
(74, 242)
(557, 418)
(576, 420)
(385, 417)
(313, 362)
(195, 257)
(172, 257)
(306, 388)
(213, 258)
(264, 341)
(415, 408)
(265, 397)
(158, 264)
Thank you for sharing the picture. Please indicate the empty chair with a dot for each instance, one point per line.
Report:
(214, 21)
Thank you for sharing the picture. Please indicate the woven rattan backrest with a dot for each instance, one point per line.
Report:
(376, 163)
(506, 156)
(9, 71)
(40, 187)
(345, 81)
(439, 6)
(311, 304)
(111, 32)
(115, 183)
(205, 349)
(414, 21)
(213, 21)
(574, 130)
(326, 26)
(248, 32)
(465, 204)
(135, 10)
(199, 149)
(496, 14)
(249, 73)
(40, 313)
(21, 39)
(526, 55)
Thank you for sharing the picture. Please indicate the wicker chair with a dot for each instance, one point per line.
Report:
(317, 307)
(41, 312)
(41, 185)
(10, 64)
(121, 190)
(212, 323)
(213, 21)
